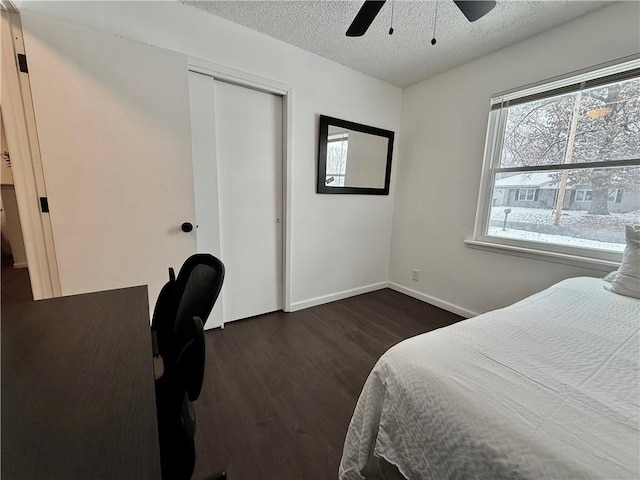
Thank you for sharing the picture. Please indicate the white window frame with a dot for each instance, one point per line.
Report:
(580, 256)
(614, 193)
(526, 194)
(582, 193)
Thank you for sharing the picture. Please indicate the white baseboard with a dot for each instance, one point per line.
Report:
(20, 265)
(450, 307)
(312, 302)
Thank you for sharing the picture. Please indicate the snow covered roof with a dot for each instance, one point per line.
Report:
(530, 179)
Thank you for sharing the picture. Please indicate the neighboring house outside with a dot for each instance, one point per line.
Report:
(540, 190)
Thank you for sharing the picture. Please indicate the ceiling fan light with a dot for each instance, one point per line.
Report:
(599, 112)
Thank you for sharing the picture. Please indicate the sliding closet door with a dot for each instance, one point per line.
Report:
(249, 147)
(245, 150)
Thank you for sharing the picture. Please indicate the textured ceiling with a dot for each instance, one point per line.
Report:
(407, 56)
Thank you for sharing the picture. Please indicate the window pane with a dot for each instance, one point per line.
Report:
(588, 217)
(536, 132)
(607, 127)
(337, 157)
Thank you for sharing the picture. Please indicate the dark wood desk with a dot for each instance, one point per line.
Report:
(78, 398)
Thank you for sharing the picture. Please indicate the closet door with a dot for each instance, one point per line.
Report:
(243, 164)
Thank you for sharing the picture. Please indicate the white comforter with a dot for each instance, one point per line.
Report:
(545, 388)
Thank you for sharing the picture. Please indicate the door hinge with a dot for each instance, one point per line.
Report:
(44, 204)
(22, 63)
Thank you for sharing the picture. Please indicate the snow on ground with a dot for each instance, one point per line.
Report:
(555, 239)
(570, 218)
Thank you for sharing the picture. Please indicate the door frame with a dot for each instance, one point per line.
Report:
(274, 87)
(28, 174)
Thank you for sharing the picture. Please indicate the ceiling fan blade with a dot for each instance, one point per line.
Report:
(365, 16)
(474, 9)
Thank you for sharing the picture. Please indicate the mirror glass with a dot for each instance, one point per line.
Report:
(353, 158)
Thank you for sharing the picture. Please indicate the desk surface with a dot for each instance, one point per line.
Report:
(78, 398)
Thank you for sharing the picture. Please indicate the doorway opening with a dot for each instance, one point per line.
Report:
(16, 286)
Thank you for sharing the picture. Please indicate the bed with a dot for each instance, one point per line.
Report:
(545, 388)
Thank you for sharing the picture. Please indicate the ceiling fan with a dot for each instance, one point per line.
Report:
(472, 9)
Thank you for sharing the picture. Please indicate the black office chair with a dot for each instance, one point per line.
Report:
(192, 294)
(179, 331)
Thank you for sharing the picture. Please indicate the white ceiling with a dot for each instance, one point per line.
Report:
(407, 56)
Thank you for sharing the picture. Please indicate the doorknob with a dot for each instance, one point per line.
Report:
(186, 227)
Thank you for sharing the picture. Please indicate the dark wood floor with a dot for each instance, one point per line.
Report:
(15, 286)
(280, 389)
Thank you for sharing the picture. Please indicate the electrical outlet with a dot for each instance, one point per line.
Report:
(415, 275)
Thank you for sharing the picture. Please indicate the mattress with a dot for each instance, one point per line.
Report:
(545, 388)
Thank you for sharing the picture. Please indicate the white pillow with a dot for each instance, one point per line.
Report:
(627, 279)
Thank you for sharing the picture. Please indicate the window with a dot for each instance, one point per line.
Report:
(584, 195)
(615, 195)
(527, 194)
(568, 155)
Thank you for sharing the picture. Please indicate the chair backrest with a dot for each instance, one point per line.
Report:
(199, 283)
(192, 294)
(189, 365)
(164, 315)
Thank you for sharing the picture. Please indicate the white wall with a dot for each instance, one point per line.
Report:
(443, 129)
(339, 242)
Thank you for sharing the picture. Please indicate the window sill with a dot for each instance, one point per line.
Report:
(555, 257)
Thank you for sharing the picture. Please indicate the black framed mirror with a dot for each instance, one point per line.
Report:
(353, 158)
